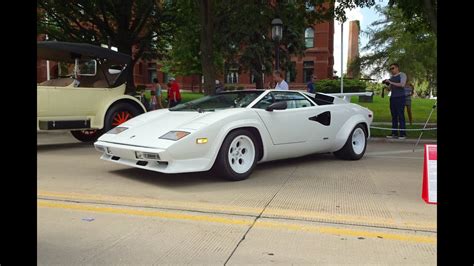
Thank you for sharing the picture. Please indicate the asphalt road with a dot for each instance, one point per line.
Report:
(310, 210)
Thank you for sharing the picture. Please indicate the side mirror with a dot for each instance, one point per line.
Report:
(277, 106)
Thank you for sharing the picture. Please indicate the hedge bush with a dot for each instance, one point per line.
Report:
(334, 85)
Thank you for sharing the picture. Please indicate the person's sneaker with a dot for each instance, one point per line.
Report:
(402, 137)
(392, 136)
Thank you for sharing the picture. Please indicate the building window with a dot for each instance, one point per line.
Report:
(309, 37)
(232, 76)
(151, 72)
(291, 73)
(308, 70)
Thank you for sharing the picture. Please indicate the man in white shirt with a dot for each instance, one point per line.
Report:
(280, 82)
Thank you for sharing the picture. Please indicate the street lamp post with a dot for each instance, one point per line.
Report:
(277, 34)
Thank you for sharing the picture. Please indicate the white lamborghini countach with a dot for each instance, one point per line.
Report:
(229, 133)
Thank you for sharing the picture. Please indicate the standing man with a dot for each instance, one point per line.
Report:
(311, 86)
(397, 101)
(280, 82)
(219, 87)
(174, 95)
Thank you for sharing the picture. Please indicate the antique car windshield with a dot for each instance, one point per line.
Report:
(85, 68)
(219, 101)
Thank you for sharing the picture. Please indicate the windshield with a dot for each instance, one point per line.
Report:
(85, 68)
(219, 101)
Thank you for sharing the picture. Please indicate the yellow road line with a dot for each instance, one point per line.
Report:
(167, 215)
(248, 222)
(320, 216)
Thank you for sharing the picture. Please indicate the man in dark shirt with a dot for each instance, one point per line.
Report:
(397, 101)
(311, 86)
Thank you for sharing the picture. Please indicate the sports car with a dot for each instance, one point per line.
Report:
(230, 132)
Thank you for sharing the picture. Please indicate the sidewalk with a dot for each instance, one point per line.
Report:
(390, 123)
(422, 141)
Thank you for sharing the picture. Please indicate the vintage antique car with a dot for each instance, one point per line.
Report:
(87, 94)
(229, 133)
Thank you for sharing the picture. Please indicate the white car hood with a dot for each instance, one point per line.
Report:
(145, 130)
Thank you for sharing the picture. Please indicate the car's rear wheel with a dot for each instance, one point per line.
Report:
(238, 155)
(355, 145)
(118, 114)
(86, 135)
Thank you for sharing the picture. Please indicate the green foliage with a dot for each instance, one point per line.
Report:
(421, 109)
(375, 87)
(426, 10)
(422, 88)
(408, 42)
(334, 85)
(109, 22)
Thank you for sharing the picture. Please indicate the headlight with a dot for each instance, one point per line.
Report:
(100, 148)
(175, 135)
(117, 130)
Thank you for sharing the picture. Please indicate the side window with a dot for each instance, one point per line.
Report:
(88, 68)
(293, 100)
(265, 101)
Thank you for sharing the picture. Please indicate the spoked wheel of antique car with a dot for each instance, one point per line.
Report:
(86, 135)
(355, 145)
(118, 114)
(238, 155)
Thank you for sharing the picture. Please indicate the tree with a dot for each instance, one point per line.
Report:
(413, 49)
(246, 29)
(140, 28)
(183, 57)
(250, 43)
(425, 10)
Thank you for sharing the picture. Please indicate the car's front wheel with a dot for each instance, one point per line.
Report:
(355, 145)
(238, 155)
(120, 113)
(87, 135)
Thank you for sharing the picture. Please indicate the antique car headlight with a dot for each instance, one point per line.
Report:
(175, 135)
(117, 130)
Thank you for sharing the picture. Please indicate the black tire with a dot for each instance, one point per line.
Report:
(222, 166)
(87, 135)
(348, 152)
(120, 110)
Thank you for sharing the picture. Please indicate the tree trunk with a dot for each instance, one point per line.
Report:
(430, 12)
(130, 87)
(258, 79)
(206, 45)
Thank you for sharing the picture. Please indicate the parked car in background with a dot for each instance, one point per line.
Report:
(87, 94)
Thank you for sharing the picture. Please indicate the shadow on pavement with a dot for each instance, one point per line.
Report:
(168, 180)
(261, 173)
